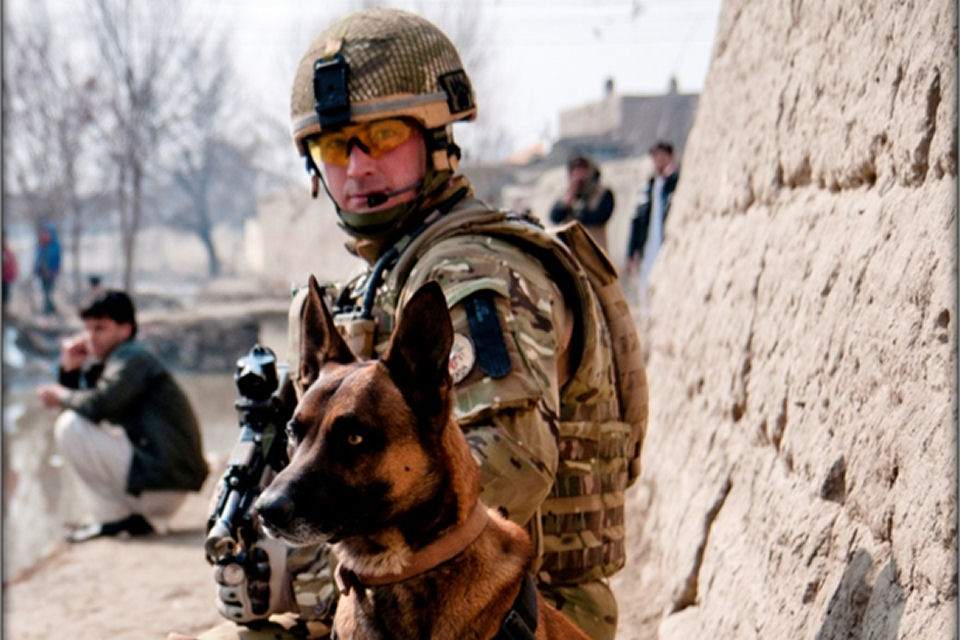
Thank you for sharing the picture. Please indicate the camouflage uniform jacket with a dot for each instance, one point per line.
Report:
(541, 413)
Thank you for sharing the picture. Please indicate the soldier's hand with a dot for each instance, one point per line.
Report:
(256, 588)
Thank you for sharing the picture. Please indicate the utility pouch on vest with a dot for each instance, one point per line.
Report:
(583, 522)
(627, 352)
(359, 333)
(603, 413)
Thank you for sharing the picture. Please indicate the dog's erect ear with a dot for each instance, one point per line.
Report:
(419, 353)
(320, 341)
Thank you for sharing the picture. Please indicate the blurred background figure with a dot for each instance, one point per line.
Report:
(587, 200)
(126, 427)
(10, 272)
(46, 266)
(646, 233)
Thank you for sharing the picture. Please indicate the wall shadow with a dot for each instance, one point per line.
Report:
(858, 609)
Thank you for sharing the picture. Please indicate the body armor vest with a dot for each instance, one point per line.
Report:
(603, 403)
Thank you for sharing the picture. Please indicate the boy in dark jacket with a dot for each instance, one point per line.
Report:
(127, 428)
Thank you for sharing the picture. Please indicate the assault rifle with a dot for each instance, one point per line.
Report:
(266, 403)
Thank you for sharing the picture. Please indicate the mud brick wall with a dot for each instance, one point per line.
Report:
(800, 467)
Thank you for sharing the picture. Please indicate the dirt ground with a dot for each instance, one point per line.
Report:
(122, 588)
(132, 589)
(143, 588)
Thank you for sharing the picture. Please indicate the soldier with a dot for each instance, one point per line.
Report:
(553, 414)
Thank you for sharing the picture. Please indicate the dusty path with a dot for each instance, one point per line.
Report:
(129, 589)
(139, 589)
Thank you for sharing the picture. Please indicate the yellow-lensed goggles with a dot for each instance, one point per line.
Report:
(374, 138)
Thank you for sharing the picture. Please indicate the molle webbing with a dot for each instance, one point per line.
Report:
(583, 517)
(627, 351)
(603, 404)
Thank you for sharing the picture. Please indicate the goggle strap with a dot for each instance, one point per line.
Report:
(443, 151)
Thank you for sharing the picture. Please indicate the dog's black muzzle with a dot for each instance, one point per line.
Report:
(276, 510)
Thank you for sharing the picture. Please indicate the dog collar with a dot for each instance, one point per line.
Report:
(431, 556)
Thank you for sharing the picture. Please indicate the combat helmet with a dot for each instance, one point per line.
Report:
(383, 63)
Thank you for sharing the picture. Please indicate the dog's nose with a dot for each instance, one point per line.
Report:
(275, 508)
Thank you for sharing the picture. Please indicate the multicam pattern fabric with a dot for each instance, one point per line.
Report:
(472, 248)
(554, 454)
(591, 605)
(510, 422)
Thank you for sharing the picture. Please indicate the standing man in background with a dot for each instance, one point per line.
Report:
(46, 265)
(646, 233)
(9, 271)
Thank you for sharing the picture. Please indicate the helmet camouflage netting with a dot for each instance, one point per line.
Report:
(397, 64)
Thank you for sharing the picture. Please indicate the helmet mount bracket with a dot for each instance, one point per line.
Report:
(457, 87)
(330, 91)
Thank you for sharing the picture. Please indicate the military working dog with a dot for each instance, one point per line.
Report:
(380, 470)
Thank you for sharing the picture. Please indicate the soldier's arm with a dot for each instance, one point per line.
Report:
(506, 309)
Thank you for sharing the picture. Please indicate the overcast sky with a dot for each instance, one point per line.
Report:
(537, 56)
(541, 56)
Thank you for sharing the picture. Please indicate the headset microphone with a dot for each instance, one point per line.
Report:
(377, 199)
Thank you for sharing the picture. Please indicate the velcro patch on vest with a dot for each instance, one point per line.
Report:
(491, 349)
(462, 357)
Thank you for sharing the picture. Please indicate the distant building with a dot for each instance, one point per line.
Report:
(620, 126)
(617, 132)
(294, 236)
(632, 123)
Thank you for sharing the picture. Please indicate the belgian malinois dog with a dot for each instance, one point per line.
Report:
(380, 470)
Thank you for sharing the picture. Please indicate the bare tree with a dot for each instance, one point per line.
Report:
(49, 107)
(208, 153)
(142, 53)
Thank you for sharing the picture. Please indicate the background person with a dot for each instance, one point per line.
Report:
(46, 264)
(127, 428)
(10, 271)
(586, 200)
(646, 231)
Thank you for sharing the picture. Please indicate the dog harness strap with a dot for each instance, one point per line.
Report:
(431, 556)
(520, 623)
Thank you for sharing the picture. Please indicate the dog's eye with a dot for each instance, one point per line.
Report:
(293, 431)
(354, 439)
